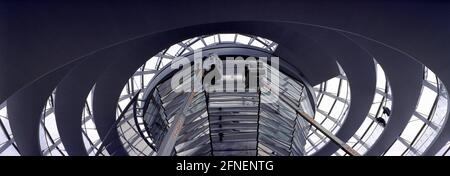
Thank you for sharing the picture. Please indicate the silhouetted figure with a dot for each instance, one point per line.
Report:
(386, 111)
(381, 121)
(220, 137)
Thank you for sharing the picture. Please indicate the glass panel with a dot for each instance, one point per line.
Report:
(396, 149)
(227, 37)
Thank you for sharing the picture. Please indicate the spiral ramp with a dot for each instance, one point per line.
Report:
(83, 83)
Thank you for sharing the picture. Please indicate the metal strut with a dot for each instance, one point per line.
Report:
(168, 143)
(349, 150)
